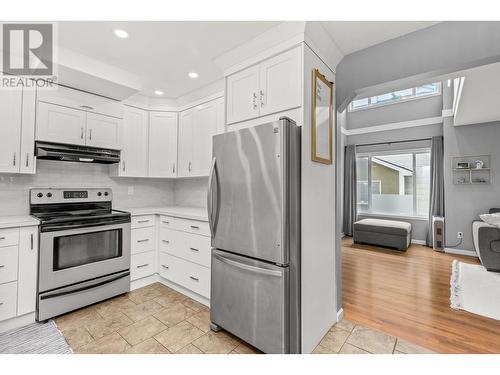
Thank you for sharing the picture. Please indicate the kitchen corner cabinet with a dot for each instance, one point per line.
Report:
(196, 128)
(162, 144)
(17, 130)
(134, 137)
(274, 85)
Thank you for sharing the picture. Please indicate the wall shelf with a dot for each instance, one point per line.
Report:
(477, 170)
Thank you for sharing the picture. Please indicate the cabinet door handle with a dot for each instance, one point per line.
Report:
(144, 240)
(123, 165)
(262, 103)
(143, 265)
(2, 238)
(194, 278)
(2, 266)
(189, 167)
(166, 267)
(31, 238)
(166, 241)
(194, 249)
(27, 158)
(1, 303)
(254, 100)
(165, 222)
(90, 134)
(173, 168)
(81, 132)
(195, 227)
(14, 160)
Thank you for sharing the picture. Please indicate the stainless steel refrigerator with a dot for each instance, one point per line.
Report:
(254, 216)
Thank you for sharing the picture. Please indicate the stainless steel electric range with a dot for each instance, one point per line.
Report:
(84, 249)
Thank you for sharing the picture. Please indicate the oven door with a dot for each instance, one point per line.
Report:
(70, 256)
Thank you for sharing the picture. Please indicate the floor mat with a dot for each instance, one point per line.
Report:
(36, 338)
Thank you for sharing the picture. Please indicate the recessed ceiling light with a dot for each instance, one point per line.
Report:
(193, 75)
(121, 33)
(158, 92)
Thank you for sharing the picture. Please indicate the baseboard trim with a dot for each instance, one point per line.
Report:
(418, 242)
(340, 314)
(203, 300)
(17, 322)
(139, 283)
(469, 253)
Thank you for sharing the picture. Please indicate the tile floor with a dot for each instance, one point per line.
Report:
(158, 320)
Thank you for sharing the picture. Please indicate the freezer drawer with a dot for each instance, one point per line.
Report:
(249, 298)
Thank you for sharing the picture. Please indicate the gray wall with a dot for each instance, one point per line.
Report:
(464, 203)
(14, 198)
(404, 111)
(439, 49)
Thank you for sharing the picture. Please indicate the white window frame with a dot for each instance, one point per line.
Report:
(413, 152)
(407, 99)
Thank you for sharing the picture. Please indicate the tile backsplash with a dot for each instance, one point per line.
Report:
(191, 192)
(14, 188)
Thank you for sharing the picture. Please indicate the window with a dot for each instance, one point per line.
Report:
(396, 96)
(396, 183)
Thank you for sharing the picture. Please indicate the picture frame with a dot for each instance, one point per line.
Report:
(322, 118)
(463, 165)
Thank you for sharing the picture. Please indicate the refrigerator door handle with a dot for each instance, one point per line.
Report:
(247, 267)
(210, 198)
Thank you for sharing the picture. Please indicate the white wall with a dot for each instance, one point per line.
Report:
(14, 189)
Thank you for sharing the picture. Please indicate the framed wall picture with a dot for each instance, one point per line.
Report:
(322, 119)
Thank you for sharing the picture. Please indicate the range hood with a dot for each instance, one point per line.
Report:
(84, 154)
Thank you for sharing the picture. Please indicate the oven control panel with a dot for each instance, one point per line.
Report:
(47, 196)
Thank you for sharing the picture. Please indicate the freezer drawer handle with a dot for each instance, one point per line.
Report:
(194, 278)
(194, 249)
(263, 271)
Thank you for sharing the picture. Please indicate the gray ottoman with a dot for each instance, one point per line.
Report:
(386, 233)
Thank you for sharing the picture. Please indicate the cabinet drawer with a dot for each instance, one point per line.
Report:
(193, 276)
(194, 248)
(142, 221)
(8, 264)
(9, 237)
(8, 300)
(166, 266)
(142, 239)
(167, 221)
(142, 265)
(168, 239)
(192, 226)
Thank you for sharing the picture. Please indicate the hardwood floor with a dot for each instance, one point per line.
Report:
(407, 295)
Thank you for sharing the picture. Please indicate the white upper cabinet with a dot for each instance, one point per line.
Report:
(10, 123)
(61, 124)
(185, 150)
(162, 144)
(103, 131)
(272, 86)
(17, 130)
(241, 95)
(281, 82)
(74, 117)
(196, 129)
(134, 143)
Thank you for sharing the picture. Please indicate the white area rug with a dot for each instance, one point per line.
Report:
(475, 290)
(36, 338)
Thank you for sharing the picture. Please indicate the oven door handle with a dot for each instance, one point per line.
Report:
(89, 285)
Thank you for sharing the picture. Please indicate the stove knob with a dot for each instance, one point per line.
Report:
(49, 195)
(39, 195)
(106, 194)
(99, 194)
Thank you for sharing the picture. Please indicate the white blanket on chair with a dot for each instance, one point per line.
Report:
(475, 290)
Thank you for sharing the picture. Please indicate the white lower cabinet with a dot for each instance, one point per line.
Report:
(181, 249)
(18, 271)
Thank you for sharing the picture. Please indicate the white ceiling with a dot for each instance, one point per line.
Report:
(161, 54)
(352, 36)
(480, 95)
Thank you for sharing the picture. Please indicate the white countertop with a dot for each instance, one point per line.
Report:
(193, 213)
(17, 221)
